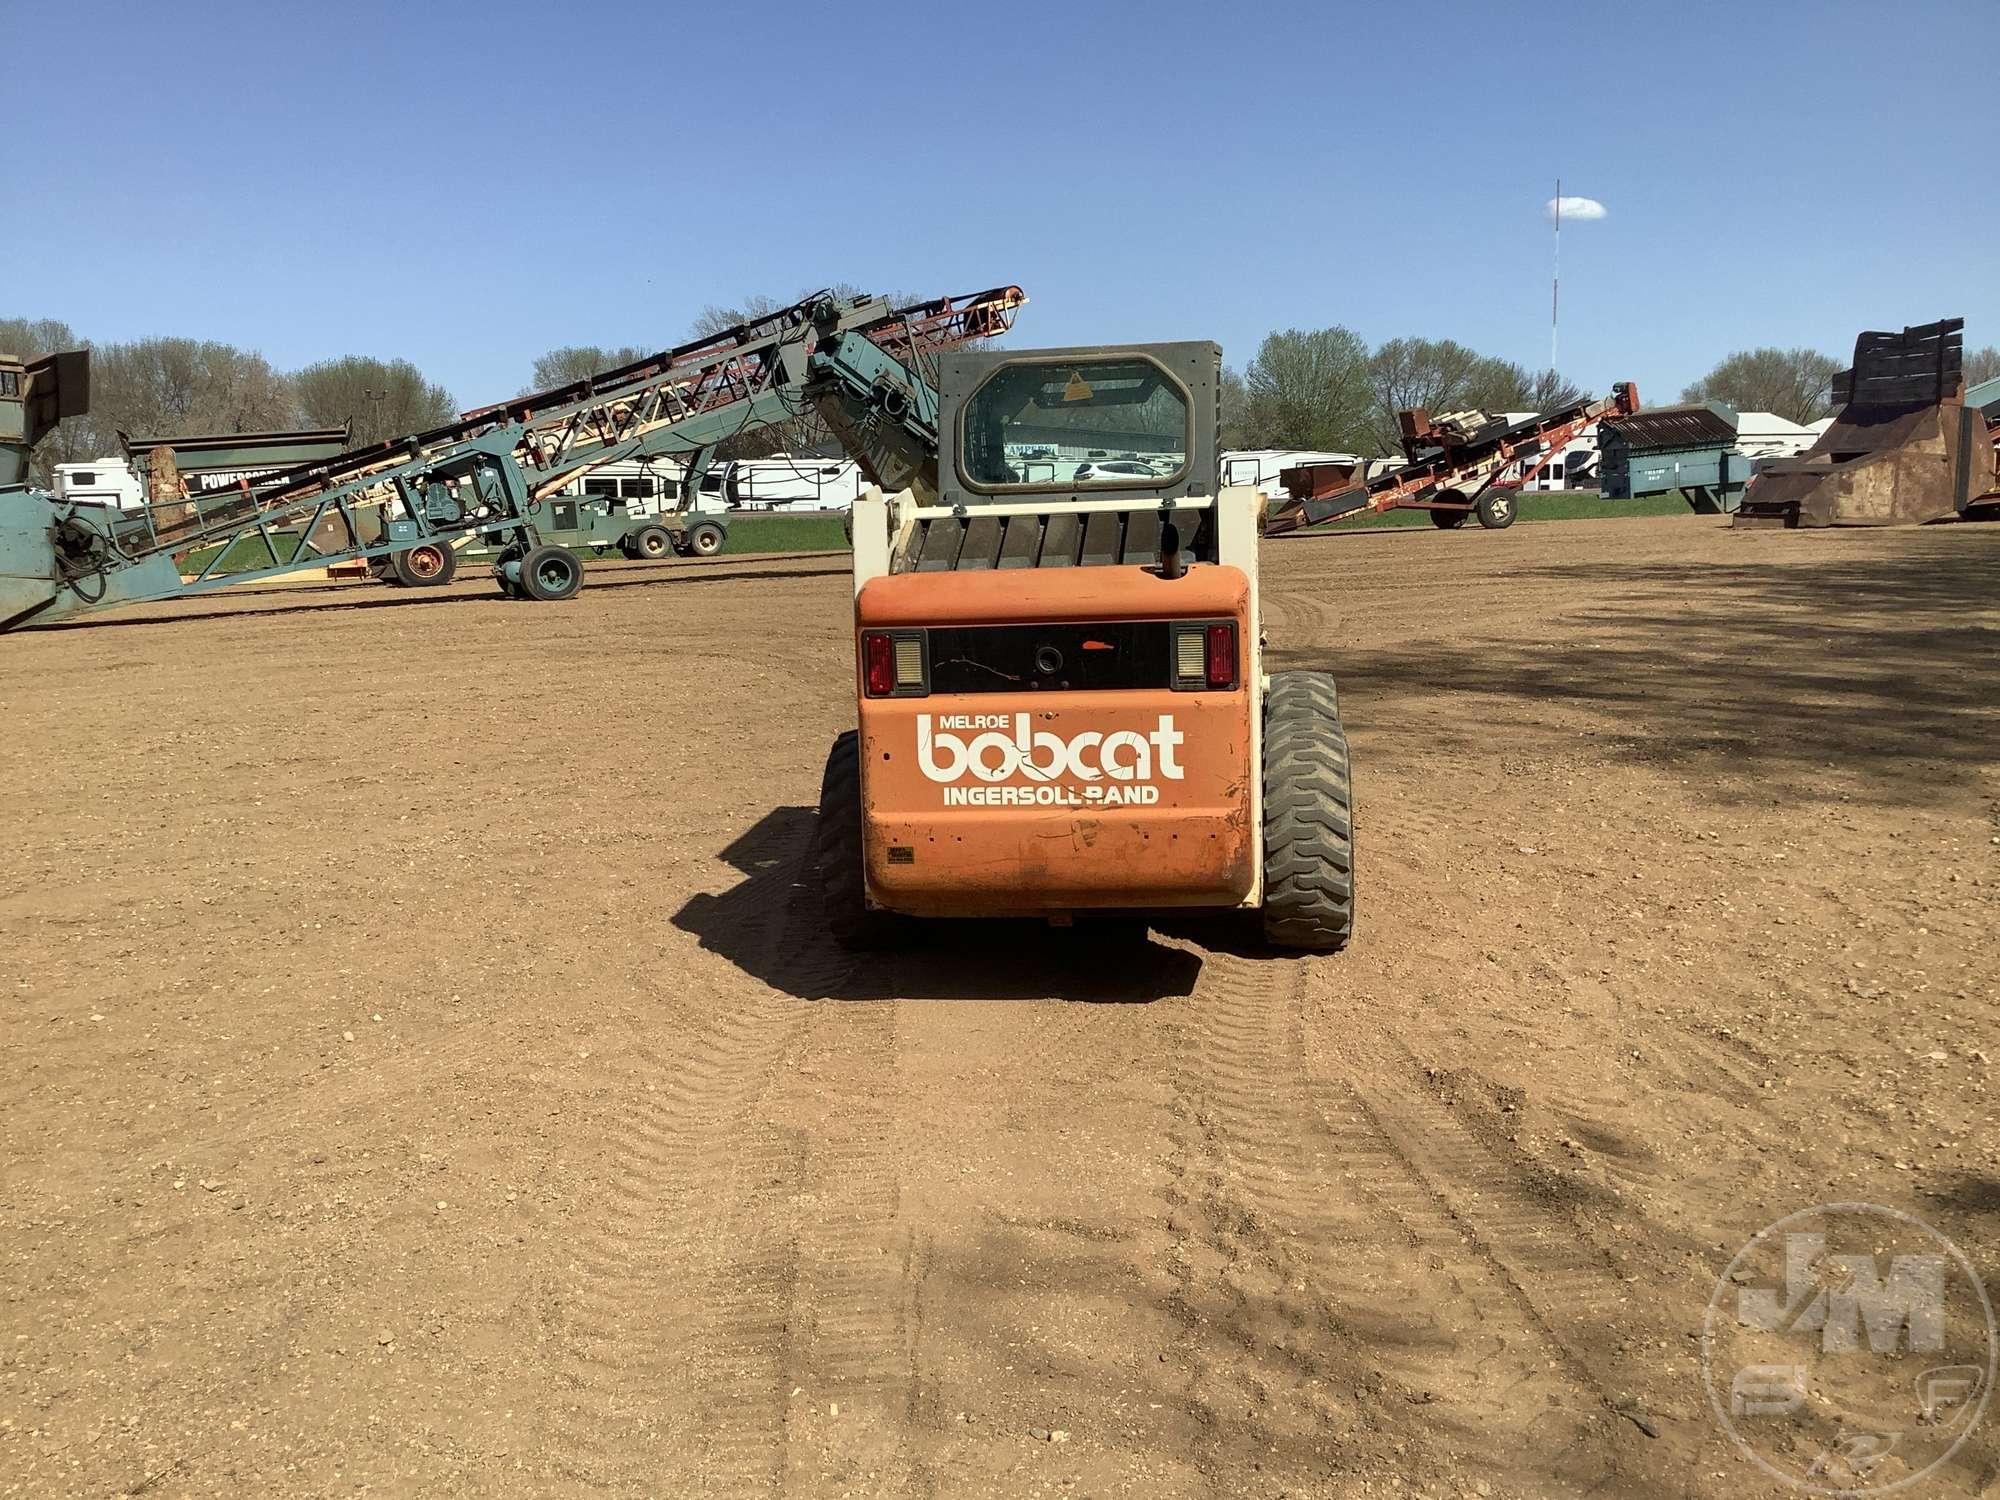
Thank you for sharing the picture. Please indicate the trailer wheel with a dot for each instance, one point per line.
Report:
(705, 539)
(427, 565)
(1496, 509)
(652, 544)
(1308, 816)
(837, 852)
(1449, 520)
(550, 573)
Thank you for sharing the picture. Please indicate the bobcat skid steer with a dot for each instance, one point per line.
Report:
(1061, 698)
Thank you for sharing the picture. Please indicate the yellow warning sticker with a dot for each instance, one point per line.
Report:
(1078, 388)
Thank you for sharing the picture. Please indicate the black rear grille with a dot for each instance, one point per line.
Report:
(1053, 539)
(1058, 658)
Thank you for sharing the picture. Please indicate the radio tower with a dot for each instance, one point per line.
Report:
(1555, 285)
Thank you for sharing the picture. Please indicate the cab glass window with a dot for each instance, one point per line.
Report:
(1082, 410)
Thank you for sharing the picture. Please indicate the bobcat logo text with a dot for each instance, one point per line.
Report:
(1091, 769)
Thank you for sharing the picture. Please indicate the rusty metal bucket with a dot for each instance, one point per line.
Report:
(1905, 449)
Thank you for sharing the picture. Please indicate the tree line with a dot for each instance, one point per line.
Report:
(179, 387)
(1797, 384)
(1318, 389)
(1326, 389)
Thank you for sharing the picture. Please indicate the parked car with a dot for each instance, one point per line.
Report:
(1114, 471)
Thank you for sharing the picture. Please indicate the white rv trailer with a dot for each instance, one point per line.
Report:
(649, 487)
(787, 481)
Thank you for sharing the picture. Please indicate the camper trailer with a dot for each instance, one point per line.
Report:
(786, 481)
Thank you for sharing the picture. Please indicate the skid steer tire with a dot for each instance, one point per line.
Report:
(837, 852)
(1496, 509)
(1308, 816)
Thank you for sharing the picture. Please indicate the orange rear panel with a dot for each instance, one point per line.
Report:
(987, 803)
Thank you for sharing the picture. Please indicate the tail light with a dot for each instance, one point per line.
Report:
(1220, 657)
(879, 652)
(894, 664)
(1205, 656)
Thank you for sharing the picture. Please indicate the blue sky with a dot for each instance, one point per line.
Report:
(467, 186)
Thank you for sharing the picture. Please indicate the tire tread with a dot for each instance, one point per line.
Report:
(837, 851)
(1308, 816)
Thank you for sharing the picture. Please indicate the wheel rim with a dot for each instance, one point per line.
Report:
(554, 574)
(426, 562)
(705, 542)
(1503, 508)
(652, 546)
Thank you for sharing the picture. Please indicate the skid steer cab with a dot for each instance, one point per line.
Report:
(1061, 701)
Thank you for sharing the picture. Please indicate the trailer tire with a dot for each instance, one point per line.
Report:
(705, 539)
(653, 543)
(1449, 520)
(550, 573)
(427, 565)
(837, 852)
(1497, 509)
(1308, 816)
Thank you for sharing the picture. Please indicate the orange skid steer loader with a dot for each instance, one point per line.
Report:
(1061, 699)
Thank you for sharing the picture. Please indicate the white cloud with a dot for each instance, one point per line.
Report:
(1575, 208)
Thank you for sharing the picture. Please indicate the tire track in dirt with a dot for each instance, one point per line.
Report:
(758, 1190)
(1527, 1297)
(1727, 1068)
(1302, 618)
(855, 1339)
(1262, 1352)
(1591, 1096)
(689, 1222)
(1338, 1261)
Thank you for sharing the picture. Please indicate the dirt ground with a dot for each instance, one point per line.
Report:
(425, 1074)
